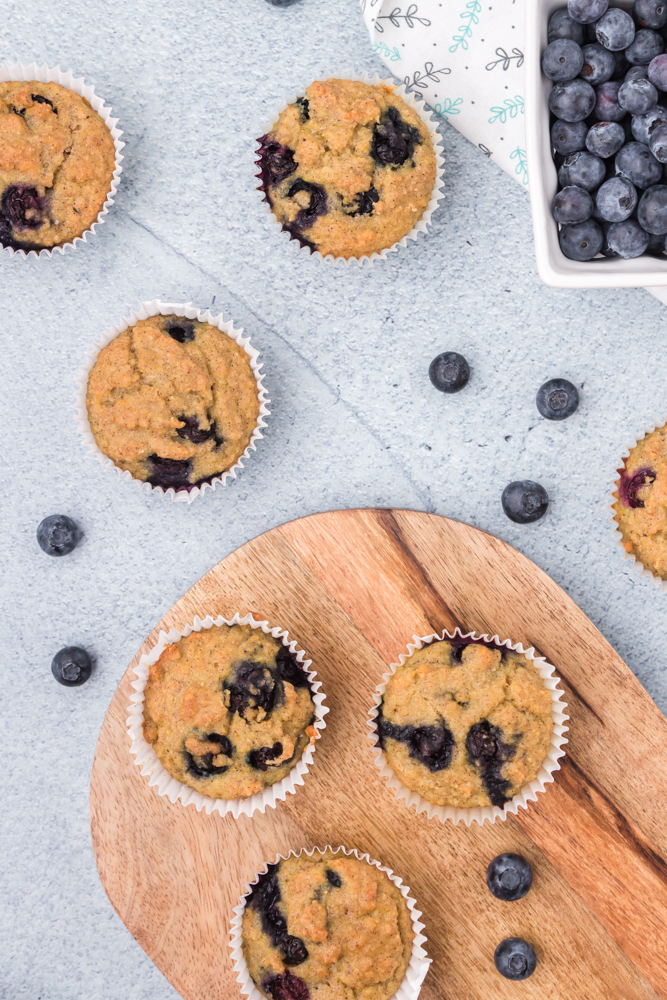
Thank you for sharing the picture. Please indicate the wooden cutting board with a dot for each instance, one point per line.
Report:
(353, 587)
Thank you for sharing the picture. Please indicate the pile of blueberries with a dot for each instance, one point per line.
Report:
(609, 131)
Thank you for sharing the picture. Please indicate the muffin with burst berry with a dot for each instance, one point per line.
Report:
(349, 168)
(173, 401)
(57, 160)
(640, 507)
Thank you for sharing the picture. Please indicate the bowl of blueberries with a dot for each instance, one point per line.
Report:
(596, 140)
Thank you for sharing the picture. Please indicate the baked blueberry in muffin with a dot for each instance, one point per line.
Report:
(57, 161)
(326, 927)
(348, 169)
(465, 723)
(228, 711)
(641, 502)
(173, 401)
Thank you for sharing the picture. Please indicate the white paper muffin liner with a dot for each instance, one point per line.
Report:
(155, 308)
(618, 537)
(43, 74)
(418, 965)
(477, 814)
(159, 777)
(415, 101)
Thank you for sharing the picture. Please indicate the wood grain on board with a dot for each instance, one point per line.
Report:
(353, 587)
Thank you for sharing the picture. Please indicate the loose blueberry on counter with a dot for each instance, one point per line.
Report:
(652, 210)
(607, 108)
(637, 96)
(561, 25)
(627, 239)
(615, 29)
(525, 501)
(568, 137)
(616, 199)
(58, 535)
(181, 331)
(599, 64)
(604, 139)
(657, 71)
(646, 46)
(650, 13)
(658, 143)
(393, 140)
(630, 486)
(286, 986)
(572, 204)
(515, 959)
(573, 100)
(557, 399)
(586, 11)
(643, 126)
(581, 242)
(71, 666)
(637, 164)
(583, 170)
(563, 60)
(509, 877)
(449, 372)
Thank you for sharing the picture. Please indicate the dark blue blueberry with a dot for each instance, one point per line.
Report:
(637, 96)
(561, 25)
(657, 71)
(333, 878)
(646, 46)
(363, 202)
(604, 139)
(615, 29)
(170, 473)
(58, 535)
(286, 986)
(637, 164)
(637, 73)
(607, 108)
(71, 666)
(650, 13)
(317, 206)
(487, 751)
(583, 170)
(630, 486)
(253, 685)
(557, 399)
(572, 101)
(393, 140)
(652, 211)
(572, 204)
(582, 241)
(644, 125)
(568, 137)
(509, 877)
(627, 239)
(193, 432)
(586, 11)
(449, 372)
(259, 759)
(515, 958)
(656, 245)
(525, 501)
(616, 199)
(23, 207)
(432, 746)
(181, 330)
(562, 60)
(203, 766)
(599, 64)
(658, 143)
(276, 162)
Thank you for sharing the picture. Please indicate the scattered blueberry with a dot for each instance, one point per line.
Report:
(636, 163)
(586, 11)
(657, 71)
(616, 199)
(449, 372)
(525, 501)
(646, 46)
(286, 986)
(644, 125)
(572, 204)
(58, 535)
(650, 13)
(563, 60)
(599, 64)
(658, 143)
(637, 96)
(71, 666)
(604, 139)
(583, 170)
(568, 137)
(561, 25)
(607, 108)
(615, 29)
(627, 239)
(630, 486)
(393, 140)
(652, 210)
(509, 877)
(573, 100)
(557, 399)
(432, 746)
(515, 958)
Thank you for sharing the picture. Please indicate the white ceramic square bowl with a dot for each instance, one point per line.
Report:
(554, 267)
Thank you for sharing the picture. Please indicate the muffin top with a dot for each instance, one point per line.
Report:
(57, 161)
(641, 502)
(173, 401)
(466, 724)
(228, 711)
(327, 927)
(349, 169)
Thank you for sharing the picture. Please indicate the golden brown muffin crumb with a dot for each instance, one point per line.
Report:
(641, 502)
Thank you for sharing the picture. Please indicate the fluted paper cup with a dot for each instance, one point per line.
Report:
(414, 101)
(160, 779)
(44, 74)
(187, 310)
(418, 965)
(476, 814)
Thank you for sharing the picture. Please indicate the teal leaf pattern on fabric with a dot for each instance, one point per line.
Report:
(385, 52)
(521, 168)
(448, 107)
(469, 18)
(512, 106)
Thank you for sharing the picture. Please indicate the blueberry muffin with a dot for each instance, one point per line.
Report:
(173, 401)
(641, 502)
(57, 160)
(228, 711)
(348, 169)
(465, 723)
(326, 927)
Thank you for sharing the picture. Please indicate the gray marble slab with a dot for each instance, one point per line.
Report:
(355, 421)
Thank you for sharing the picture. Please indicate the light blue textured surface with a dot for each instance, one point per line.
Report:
(355, 420)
